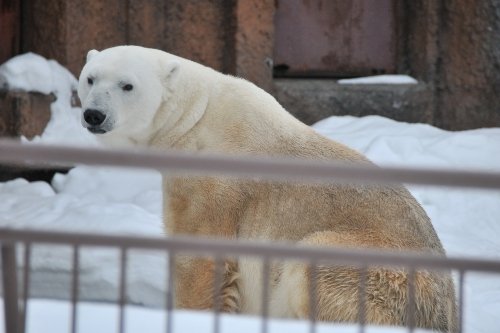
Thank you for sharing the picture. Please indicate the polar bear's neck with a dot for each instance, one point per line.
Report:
(181, 112)
(171, 126)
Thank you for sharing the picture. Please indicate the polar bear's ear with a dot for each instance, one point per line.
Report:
(172, 69)
(91, 54)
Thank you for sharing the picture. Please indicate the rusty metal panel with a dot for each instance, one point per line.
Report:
(334, 38)
(10, 12)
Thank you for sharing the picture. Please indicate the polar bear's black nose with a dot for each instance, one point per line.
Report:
(93, 117)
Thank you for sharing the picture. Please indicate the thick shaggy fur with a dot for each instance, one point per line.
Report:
(178, 104)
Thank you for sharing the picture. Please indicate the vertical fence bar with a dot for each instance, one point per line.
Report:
(26, 285)
(74, 287)
(10, 297)
(123, 289)
(170, 291)
(265, 294)
(313, 296)
(363, 274)
(218, 269)
(411, 300)
(461, 295)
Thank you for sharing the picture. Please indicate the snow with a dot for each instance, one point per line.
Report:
(380, 79)
(54, 316)
(123, 201)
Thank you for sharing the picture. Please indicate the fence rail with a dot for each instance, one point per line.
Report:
(261, 168)
(266, 168)
(221, 247)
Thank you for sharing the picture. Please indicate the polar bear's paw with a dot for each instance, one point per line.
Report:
(231, 301)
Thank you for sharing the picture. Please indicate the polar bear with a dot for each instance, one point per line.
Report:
(134, 96)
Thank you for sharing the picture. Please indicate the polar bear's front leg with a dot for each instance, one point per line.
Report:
(195, 280)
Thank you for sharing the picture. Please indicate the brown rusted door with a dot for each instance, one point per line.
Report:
(338, 38)
(9, 28)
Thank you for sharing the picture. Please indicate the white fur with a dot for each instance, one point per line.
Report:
(129, 114)
(251, 285)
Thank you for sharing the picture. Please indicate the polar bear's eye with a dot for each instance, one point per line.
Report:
(90, 81)
(128, 87)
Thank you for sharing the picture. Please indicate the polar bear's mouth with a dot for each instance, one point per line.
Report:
(96, 130)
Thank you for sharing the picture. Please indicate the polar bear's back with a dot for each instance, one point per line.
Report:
(240, 118)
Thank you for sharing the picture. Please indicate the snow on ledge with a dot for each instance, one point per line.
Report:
(380, 79)
(32, 72)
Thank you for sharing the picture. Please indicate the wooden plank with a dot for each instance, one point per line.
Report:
(254, 41)
(93, 25)
(146, 23)
(198, 30)
(10, 13)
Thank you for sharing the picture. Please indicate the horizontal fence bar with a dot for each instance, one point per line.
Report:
(286, 169)
(221, 247)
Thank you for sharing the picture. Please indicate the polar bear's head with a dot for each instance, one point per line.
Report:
(121, 89)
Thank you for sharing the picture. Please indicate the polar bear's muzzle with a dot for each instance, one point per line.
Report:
(94, 121)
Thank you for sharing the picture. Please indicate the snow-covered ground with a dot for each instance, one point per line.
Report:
(108, 200)
(53, 316)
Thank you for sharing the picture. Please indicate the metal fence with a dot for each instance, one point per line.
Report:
(15, 303)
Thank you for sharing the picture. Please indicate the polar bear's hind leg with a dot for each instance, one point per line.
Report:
(386, 292)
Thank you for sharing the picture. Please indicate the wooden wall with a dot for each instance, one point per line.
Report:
(451, 47)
